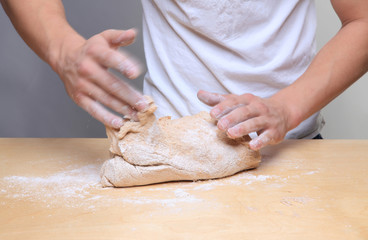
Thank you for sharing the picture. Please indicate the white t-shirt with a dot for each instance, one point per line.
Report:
(226, 46)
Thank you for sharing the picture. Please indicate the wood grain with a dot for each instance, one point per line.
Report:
(303, 189)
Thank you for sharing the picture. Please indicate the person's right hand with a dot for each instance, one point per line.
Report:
(83, 67)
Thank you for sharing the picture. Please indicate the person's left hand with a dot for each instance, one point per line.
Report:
(239, 115)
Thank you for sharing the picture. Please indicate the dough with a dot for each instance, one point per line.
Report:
(189, 148)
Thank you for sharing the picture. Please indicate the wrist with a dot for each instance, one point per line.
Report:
(290, 107)
(62, 46)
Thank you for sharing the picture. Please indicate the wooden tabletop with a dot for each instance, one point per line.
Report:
(303, 189)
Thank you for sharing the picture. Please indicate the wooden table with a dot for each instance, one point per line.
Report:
(303, 189)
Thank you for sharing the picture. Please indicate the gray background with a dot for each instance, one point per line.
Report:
(33, 102)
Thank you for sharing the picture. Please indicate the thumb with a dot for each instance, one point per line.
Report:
(210, 99)
(119, 38)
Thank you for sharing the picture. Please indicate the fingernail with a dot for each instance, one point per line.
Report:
(202, 95)
(254, 144)
(117, 123)
(223, 124)
(126, 68)
(132, 117)
(121, 67)
(233, 132)
(119, 39)
(259, 142)
(215, 113)
(130, 70)
(142, 105)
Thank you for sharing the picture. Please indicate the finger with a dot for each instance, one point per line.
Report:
(106, 99)
(209, 98)
(261, 141)
(120, 61)
(237, 116)
(229, 104)
(119, 38)
(224, 108)
(113, 86)
(247, 127)
(97, 111)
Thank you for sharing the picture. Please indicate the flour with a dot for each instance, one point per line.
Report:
(290, 201)
(248, 178)
(73, 186)
(207, 186)
(311, 172)
(80, 188)
(180, 197)
(180, 193)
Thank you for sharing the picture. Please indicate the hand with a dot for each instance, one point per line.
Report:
(83, 67)
(240, 115)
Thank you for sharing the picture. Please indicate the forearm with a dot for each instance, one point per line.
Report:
(43, 26)
(82, 64)
(342, 61)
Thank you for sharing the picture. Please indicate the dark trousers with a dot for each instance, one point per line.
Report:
(319, 136)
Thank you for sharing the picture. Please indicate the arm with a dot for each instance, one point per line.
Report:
(342, 61)
(81, 64)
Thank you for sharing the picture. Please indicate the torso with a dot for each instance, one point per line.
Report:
(237, 46)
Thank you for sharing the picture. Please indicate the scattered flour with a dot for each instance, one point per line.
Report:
(290, 201)
(311, 172)
(166, 202)
(80, 187)
(180, 196)
(248, 178)
(73, 185)
(244, 178)
(209, 185)
(180, 193)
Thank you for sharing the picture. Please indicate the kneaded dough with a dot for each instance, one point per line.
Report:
(163, 150)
